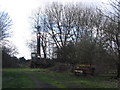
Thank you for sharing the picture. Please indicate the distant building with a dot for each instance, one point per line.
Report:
(33, 55)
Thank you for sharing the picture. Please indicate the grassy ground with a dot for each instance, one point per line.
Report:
(14, 78)
(17, 78)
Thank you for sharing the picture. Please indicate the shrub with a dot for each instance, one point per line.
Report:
(61, 67)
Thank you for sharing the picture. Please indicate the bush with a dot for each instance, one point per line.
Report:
(61, 67)
(8, 61)
(42, 63)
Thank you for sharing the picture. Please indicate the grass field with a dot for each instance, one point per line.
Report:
(17, 78)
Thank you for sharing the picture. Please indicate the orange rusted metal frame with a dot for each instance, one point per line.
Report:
(85, 65)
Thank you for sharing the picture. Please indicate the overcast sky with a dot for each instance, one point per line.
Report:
(20, 11)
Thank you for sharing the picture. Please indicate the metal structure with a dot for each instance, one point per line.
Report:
(84, 70)
(37, 60)
(33, 56)
(38, 45)
(38, 42)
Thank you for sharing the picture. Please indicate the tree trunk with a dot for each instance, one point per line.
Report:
(118, 71)
(44, 51)
(118, 49)
(45, 54)
(118, 67)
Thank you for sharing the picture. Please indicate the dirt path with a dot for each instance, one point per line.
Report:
(38, 83)
(72, 85)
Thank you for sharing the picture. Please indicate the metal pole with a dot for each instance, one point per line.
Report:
(38, 42)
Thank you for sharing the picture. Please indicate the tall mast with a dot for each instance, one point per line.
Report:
(38, 42)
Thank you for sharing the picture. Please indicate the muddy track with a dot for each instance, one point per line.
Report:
(73, 85)
(38, 83)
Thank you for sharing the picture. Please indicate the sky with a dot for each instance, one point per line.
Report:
(20, 12)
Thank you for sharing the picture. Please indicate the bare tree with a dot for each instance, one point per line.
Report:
(5, 23)
(60, 23)
(9, 48)
(32, 45)
(80, 34)
(112, 30)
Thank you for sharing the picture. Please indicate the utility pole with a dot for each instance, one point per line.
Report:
(38, 42)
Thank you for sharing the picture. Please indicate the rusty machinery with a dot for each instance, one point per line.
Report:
(84, 69)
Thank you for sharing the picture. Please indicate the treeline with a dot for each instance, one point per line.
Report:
(8, 49)
(74, 34)
(77, 34)
(9, 61)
